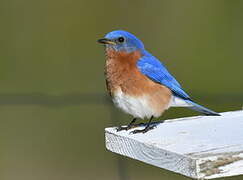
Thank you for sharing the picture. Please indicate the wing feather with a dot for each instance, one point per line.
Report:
(156, 71)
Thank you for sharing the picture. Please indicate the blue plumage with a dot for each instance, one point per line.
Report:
(132, 43)
(150, 66)
(155, 70)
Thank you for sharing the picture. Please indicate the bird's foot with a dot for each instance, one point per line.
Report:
(144, 130)
(128, 127)
(121, 128)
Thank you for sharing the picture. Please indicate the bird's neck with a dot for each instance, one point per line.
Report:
(120, 68)
(123, 58)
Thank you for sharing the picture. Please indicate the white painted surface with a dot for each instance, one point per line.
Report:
(198, 147)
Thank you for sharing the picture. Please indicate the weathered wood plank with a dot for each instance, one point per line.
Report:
(198, 147)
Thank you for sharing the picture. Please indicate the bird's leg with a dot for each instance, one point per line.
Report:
(129, 126)
(146, 129)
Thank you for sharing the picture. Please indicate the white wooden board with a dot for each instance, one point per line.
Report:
(201, 147)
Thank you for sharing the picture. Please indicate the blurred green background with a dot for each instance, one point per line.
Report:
(53, 104)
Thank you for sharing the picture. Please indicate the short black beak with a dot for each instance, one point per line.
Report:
(106, 41)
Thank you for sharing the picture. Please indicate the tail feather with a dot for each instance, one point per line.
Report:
(201, 109)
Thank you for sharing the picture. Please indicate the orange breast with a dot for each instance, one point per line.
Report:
(122, 73)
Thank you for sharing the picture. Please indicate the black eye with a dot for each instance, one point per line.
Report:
(121, 39)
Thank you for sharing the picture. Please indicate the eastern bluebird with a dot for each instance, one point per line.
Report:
(139, 83)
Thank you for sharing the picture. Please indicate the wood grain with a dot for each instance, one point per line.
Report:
(201, 147)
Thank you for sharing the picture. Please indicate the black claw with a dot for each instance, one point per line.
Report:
(128, 127)
(146, 129)
(121, 128)
(131, 125)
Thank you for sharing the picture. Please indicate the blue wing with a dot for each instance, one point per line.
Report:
(156, 71)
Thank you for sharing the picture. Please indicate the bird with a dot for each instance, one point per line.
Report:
(139, 83)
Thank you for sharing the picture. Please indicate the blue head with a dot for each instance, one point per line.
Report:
(122, 41)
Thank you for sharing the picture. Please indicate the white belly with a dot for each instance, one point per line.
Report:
(136, 106)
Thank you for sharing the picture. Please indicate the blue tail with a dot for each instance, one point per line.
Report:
(201, 109)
